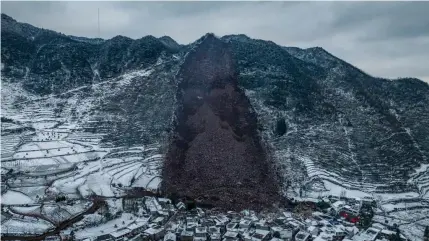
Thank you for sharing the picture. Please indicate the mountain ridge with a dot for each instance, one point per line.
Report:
(326, 124)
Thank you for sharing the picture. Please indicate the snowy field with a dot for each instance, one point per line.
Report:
(47, 154)
(26, 225)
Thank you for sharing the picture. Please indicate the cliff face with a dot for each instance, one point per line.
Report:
(216, 155)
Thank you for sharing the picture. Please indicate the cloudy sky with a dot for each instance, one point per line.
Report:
(385, 39)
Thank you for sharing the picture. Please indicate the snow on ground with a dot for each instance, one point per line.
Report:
(123, 221)
(26, 225)
(14, 198)
(154, 184)
(77, 207)
(388, 207)
(98, 184)
(51, 152)
(44, 124)
(32, 192)
(331, 185)
(35, 146)
(26, 210)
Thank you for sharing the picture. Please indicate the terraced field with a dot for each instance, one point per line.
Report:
(54, 147)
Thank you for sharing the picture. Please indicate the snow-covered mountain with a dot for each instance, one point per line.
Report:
(326, 126)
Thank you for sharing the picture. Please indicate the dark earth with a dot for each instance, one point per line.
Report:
(215, 155)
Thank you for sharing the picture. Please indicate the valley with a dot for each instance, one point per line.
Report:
(118, 138)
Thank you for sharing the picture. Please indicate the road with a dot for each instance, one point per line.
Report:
(97, 203)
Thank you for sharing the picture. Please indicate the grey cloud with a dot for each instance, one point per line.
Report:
(387, 19)
(388, 39)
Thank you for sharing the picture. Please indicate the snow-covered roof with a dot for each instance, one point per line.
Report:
(153, 230)
(312, 228)
(170, 237)
(301, 236)
(186, 233)
(136, 225)
(158, 219)
(230, 234)
(201, 230)
(338, 204)
(120, 232)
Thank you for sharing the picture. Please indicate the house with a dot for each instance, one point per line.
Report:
(120, 234)
(368, 235)
(336, 206)
(181, 206)
(163, 213)
(191, 226)
(367, 200)
(137, 228)
(170, 237)
(200, 234)
(65, 234)
(262, 226)
(261, 235)
(207, 222)
(232, 226)
(104, 237)
(230, 236)
(159, 220)
(155, 233)
(53, 238)
(302, 236)
(187, 235)
(164, 201)
(244, 225)
(313, 230)
(286, 234)
(215, 237)
(388, 234)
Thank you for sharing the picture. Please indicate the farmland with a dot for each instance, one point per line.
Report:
(53, 163)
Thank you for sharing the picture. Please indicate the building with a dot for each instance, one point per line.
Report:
(368, 235)
(230, 236)
(170, 237)
(286, 234)
(187, 235)
(104, 237)
(155, 233)
(201, 233)
(244, 225)
(261, 235)
(137, 228)
(313, 230)
(120, 234)
(302, 236)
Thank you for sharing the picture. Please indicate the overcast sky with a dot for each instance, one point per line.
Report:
(385, 39)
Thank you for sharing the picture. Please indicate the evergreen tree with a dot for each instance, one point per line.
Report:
(426, 234)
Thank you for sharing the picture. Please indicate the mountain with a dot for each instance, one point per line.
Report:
(237, 118)
(216, 153)
(50, 62)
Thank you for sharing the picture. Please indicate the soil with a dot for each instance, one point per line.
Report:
(215, 155)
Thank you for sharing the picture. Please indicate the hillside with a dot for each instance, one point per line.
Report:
(233, 111)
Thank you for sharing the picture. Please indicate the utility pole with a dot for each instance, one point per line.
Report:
(98, 34)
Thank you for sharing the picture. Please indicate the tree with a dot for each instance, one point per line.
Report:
(426, 234)
(72, 235)
(343, 194)
(397, 235)
(281, 127)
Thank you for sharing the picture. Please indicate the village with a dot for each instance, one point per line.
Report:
(152, 218)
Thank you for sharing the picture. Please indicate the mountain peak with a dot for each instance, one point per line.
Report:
(237, 37)
(5, 17)
(169, 42)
